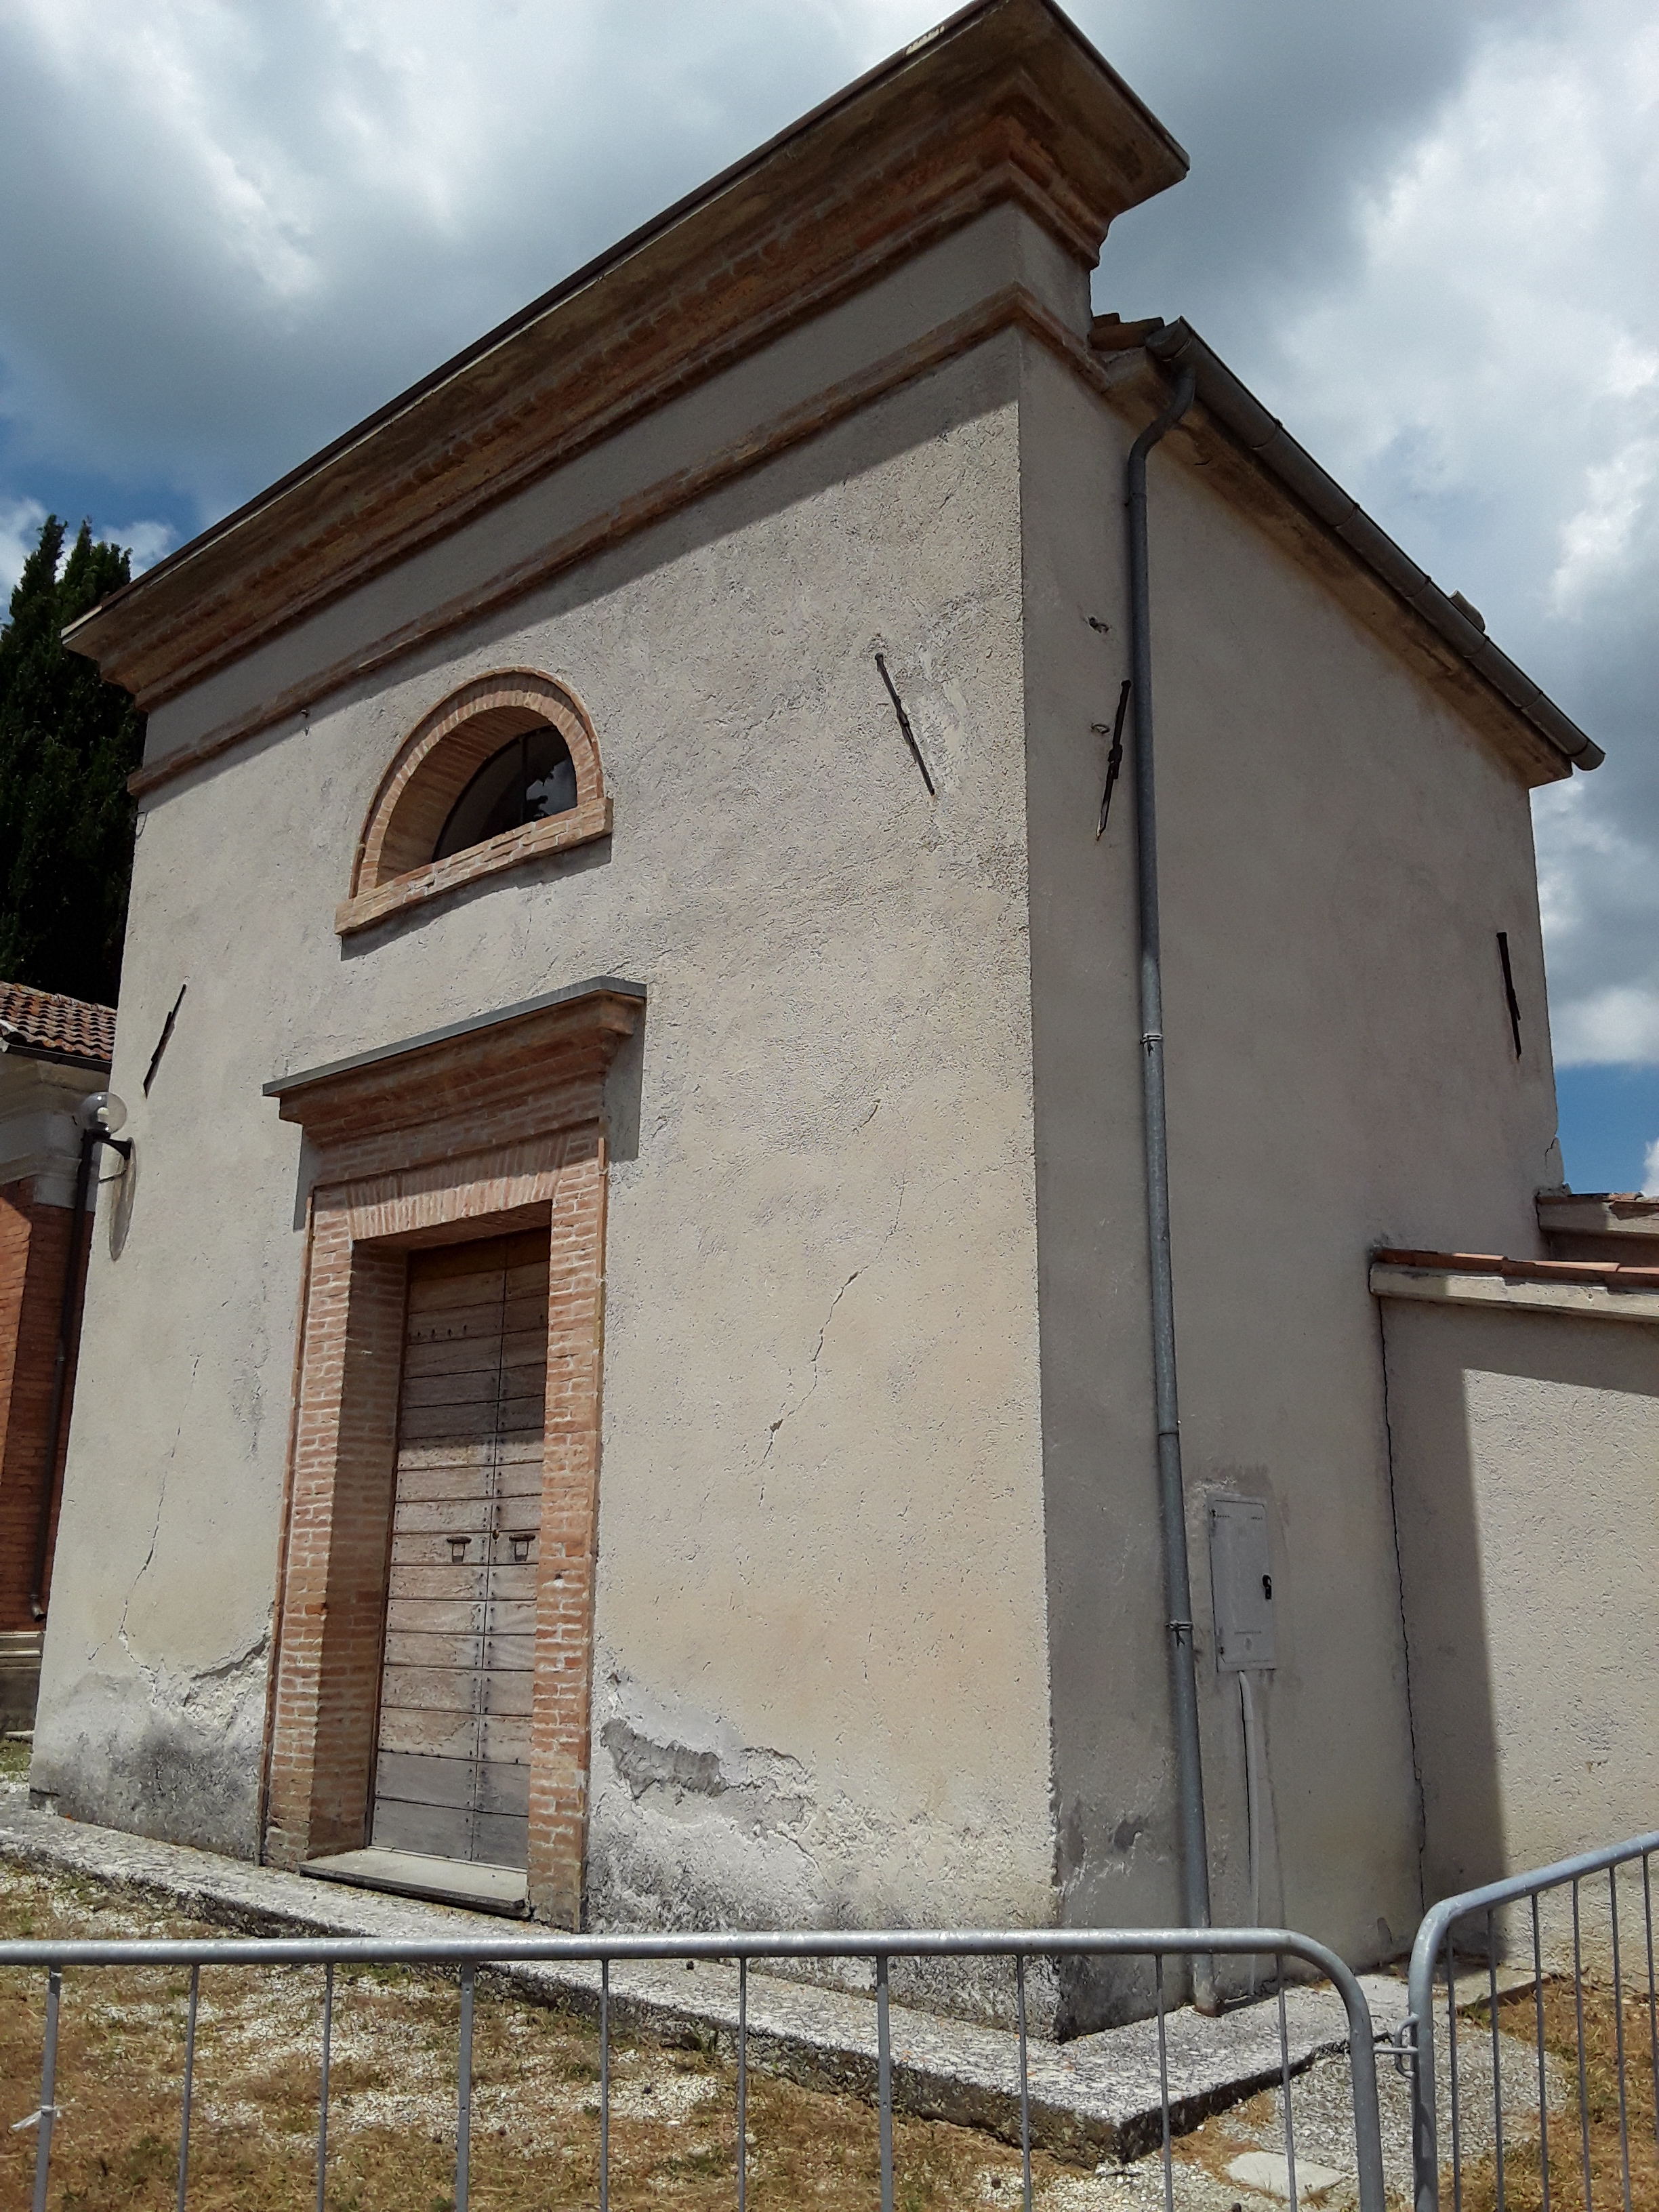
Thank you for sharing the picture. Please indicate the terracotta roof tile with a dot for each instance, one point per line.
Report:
(1610, 1274)
(47, 1022)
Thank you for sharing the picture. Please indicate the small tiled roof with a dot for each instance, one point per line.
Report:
(1606, 1274)
(48, 1022)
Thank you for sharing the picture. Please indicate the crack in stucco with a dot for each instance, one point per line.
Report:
(788, 1412)
(149, 1673)
(221, 1667)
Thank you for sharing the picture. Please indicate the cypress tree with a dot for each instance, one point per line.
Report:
(68, 743)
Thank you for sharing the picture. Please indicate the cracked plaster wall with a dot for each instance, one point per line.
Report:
(820, 1494)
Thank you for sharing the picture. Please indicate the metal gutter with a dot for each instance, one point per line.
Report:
(1177, 346)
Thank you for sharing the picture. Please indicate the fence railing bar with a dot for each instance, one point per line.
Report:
(885, 2084)
(1451, 2071)
(1367, 2109)
(190, 2083)
(322, 2086)
(48, 2112)
(1024, 2086)
(1437, 1932)
(1284, 2078)
(1164, 2086)
(1496, 2054)
(504, 1954)
(468, 1953)
(1619, 2033)
(605, 2085)
(743, 2084)
(1583, 2085)
(1543, 2078)
(464, 2092)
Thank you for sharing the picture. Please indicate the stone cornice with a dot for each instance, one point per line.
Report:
(1005, 103)
(502, 1075)
(1012, 307)
(1127, 380)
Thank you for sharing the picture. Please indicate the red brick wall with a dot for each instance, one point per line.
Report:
(35, 1242)
(570, 1541)
(470, 1136)
(334, 1601)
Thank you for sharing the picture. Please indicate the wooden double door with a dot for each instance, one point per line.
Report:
(452, 1776)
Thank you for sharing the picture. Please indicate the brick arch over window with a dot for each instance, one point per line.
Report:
(393, 869)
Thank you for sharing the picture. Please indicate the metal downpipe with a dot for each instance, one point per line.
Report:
(1189, 1770)
(60, 1376)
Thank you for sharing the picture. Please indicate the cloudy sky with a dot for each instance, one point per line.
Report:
(1427, 235)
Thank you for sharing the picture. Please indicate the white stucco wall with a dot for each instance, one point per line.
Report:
(1337, 851)
(821, 1532)
(1527, 1473)
(880, 1612)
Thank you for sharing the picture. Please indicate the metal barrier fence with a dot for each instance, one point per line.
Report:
(1569, 1931)
(467, 1956)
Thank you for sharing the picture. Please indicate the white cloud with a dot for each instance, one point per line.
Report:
(277, 218)
(1650, 1171)
(20, 532)
(1426, 234)
(1617, 1024)
(147, 542)
(1486, 380)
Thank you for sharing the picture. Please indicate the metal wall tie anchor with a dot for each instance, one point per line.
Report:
(904, 724)
(1114, 758)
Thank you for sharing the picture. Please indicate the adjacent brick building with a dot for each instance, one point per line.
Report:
(53, 1051)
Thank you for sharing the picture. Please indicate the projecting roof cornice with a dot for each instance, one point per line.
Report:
(1006, 101)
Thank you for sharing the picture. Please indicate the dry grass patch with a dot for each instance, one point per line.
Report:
(1523, 2167)
(391, 2111)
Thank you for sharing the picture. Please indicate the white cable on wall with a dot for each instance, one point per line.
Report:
(1252, 1798)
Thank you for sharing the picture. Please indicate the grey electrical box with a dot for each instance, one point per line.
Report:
(1242, 1585)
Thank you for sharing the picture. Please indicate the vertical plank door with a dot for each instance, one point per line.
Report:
(453, 1769)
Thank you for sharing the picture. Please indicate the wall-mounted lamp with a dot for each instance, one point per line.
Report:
(98, 1117)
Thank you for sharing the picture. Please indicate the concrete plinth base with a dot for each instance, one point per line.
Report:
(19, 1677)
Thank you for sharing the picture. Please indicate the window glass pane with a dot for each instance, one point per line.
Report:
(531, 777)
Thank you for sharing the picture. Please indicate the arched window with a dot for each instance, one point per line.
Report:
(531, 778)
(504, 771)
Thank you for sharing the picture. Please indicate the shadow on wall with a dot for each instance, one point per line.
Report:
(1524, 1449)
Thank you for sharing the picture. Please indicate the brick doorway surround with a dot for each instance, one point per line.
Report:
(493, 1125)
